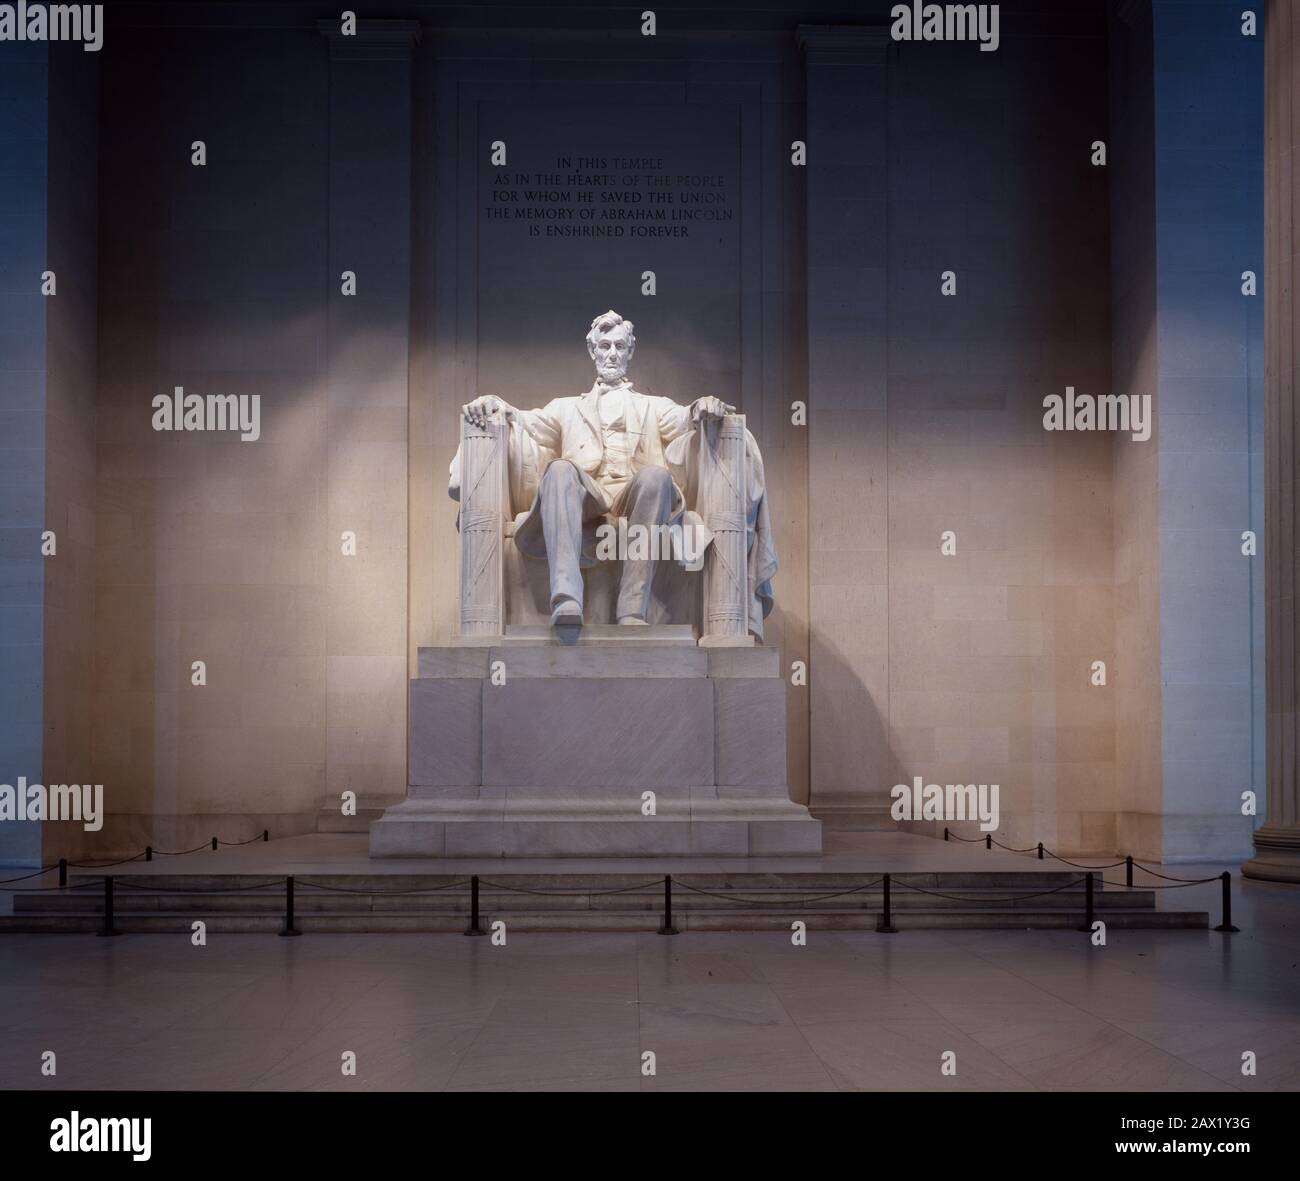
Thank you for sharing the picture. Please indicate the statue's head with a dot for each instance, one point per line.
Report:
(611, 344)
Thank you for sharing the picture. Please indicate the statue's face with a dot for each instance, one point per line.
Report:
(611, 353)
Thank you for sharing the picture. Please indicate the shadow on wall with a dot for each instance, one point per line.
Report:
(851, 757)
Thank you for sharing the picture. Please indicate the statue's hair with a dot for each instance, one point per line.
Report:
(604, 323)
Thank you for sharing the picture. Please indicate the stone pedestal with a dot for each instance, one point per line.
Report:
(530, 748)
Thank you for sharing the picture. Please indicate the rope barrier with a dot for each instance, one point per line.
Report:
(1167, 878)
(768, 901)
(387, 893)
(34, 874)
(1000, 898)
(1181, 882)
(196, 890)
(788, 894)
(1224, 879)
(63, 865)
(788, 897)
(1079, 864)
(572, 893)
(949, 835)
(103, 864)
(1009, 849)
(42, 889)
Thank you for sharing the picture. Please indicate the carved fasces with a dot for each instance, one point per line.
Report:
(484, 509)
(722, 489)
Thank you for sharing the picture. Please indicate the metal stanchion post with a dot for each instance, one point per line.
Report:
(1226, 925)
(63, 872)
(667, 927)
(289, 928)
(988, 841)
(885, 924)
(473, 928)
(1128, 870)
(108, 928)
(1088, 905)
(1040, 850)
(148, 852)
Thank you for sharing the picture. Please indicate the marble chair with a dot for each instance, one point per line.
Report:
(501, 589)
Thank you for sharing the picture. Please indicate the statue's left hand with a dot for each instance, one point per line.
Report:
(707, 408)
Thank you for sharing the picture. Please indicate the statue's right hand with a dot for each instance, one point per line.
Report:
(488, 406)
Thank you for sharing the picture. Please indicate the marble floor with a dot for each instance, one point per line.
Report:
(1171, 1010)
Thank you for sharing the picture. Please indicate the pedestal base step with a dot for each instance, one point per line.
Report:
(838, 816)
(673, 635)
(549, 826)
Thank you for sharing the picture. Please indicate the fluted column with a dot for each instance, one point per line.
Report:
(1277, 842)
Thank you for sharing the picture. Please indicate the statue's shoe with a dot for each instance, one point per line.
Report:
(632, 621)
(566, 613)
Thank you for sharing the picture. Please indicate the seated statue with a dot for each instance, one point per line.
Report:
(616, 462)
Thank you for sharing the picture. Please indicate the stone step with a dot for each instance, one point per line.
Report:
(543, 805)
(536, 827)
(617, 803)
(332, 820)
(620, 900)
(853, 816)
(660, 634)
(307, 899)
(307, 902)
(548, 660)
(720, 919)
(505, 875)
(600, 660)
